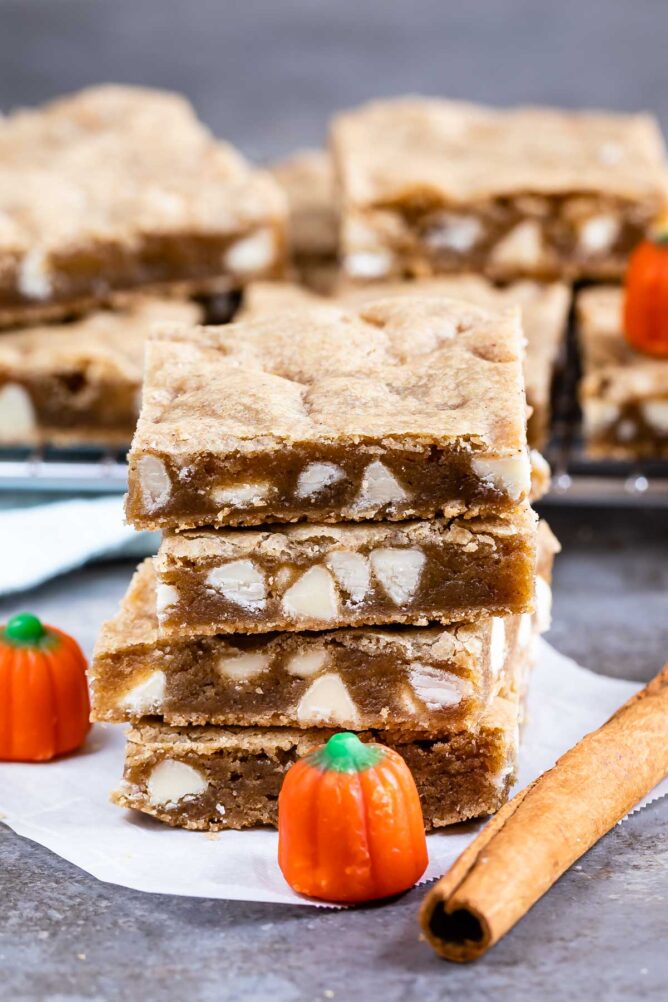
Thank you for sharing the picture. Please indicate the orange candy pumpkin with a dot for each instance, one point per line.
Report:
(44, 706)
(350, 825)
(646, 297)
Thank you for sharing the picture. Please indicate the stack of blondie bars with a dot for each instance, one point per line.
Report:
(347, 543)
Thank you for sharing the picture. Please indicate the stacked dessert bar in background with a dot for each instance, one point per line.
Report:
(348, 543)
(106, 194)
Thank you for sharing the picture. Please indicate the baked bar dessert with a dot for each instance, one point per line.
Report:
(623, 393)
(404, 408)
(307, 178)
(214, 778)
(314, 577)
(422, 680)
(120, 188)
(544, 316)
(430, 186)
(80, 382)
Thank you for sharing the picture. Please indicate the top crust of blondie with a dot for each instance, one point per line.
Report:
(421, 370)
(115, 162)
(388, 151)
(614, 371)
(307, 177)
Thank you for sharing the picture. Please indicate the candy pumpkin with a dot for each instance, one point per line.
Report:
(350, 824)
(44, 706)
(646, 297)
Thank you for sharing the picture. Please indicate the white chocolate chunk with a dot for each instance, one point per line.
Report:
(166, 596)
(241, 495)
(327, 701)
(307, 664)
(655, 413)
(147, 696)
(242, 667)
(316, 476)
(525, 631)
(17, 414)
(379, 487)
(598, 234)
(435, 687)
(253, 253)
(454, 232)
(35, 281)
(626, 430)
(543, 611)
(312, 596)
(154, 482)
(351, 570)
(599, 415)
(171, 781)
(511, 474)
(240, 582)
(497, 646)
(522, 247)
(368, 264)
(398, 572)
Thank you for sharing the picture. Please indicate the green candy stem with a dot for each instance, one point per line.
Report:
(345, 752)
(24, 630)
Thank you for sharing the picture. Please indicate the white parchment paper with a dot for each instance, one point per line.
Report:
(63, 805)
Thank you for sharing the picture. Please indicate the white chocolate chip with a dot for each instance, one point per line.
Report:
(172, 781)
(35, 280)
(398, 571)
(598, 233)
(17, 414)
(525, 631)
(522, 247)
(454, 232)
(626, 430)
(543, 612)
(241, 495)
(312, 596)
(368, 264)
(240, 582)
(154, 482)
(379, 487)
(497, 646)
(147, 696)
(242, 667)
(166, 596)
(253, 253)
(655, 413)
(307, 664)
(316, 476)
(511, 474)
(599, 415)
(328, 702)
(351, 570)
(435, 687)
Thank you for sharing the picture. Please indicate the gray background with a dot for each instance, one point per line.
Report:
(266, 75)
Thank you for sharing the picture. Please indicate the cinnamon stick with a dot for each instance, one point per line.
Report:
(545, 828)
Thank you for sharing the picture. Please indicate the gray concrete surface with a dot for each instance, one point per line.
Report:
(266, 74)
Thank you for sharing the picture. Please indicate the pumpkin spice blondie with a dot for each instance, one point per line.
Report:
(121, 188)
(430, 186)
(401, 409)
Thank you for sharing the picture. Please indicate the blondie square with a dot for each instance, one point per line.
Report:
(403, 408)
(544, 315)
(307, 178)
(80, 382)
(120, 188)
(430, 186)
(623, 393)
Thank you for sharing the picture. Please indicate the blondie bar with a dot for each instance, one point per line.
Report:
(314, 577)
(214, 778)
(120, 188)
(80, 382)
(430, 186)
(544, 315)
(623, 393)
(404, 408)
